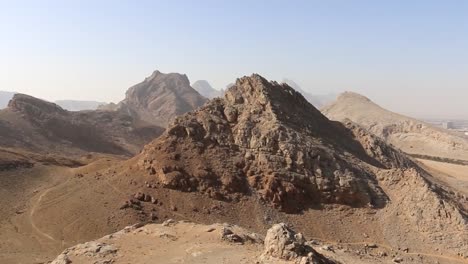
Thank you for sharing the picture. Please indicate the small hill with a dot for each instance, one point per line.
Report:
(5, 97)
(410, 135)
(205, 89)
(74, 105)
(160, 98)
(43, 127)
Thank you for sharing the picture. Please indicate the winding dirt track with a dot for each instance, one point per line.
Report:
(34, 208)
(31, 216)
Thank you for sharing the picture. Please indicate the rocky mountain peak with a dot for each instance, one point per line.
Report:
(156, 83)
(251, 90)
(203, 84)
(257, 90)
(205, 89)
(286, 105)
(161, 97)
(264, 137)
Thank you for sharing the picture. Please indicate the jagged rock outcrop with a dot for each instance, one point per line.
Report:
(410, 135)
(282, 242)
(205, 89)
(43, 127)
(264, 139)
(160, 98)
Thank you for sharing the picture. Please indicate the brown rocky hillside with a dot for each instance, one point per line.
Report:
(265, 139)
(410, 135)
(160, 98)
(32, 124)
(259, 156)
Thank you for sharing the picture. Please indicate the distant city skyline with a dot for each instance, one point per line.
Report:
(408, 56)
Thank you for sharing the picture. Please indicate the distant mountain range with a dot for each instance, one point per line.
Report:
(205, 89)
(75, 105)
(317, 100)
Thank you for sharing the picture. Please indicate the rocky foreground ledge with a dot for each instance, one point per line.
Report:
(186, 242)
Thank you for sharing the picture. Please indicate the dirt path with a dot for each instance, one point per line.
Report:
(31, 216)
(34, 208)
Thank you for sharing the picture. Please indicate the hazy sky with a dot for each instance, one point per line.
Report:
(409, 56)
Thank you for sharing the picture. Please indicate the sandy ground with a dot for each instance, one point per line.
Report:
(453, 175)
(34, 223)
(180, 243)
(22, 239)
(48, 209)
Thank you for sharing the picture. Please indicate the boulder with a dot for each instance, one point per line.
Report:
(62, 259)
(281, 242)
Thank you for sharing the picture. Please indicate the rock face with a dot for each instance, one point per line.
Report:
(43, 127)
(264, 139)
(205, 89)
(283, 243)
(410, 135)
(160, 98)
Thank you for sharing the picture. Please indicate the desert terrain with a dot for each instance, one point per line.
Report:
(412, 136)
(451, 174)
(252, 132)
(259, 156)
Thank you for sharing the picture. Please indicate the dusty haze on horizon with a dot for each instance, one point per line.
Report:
(408, 57)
